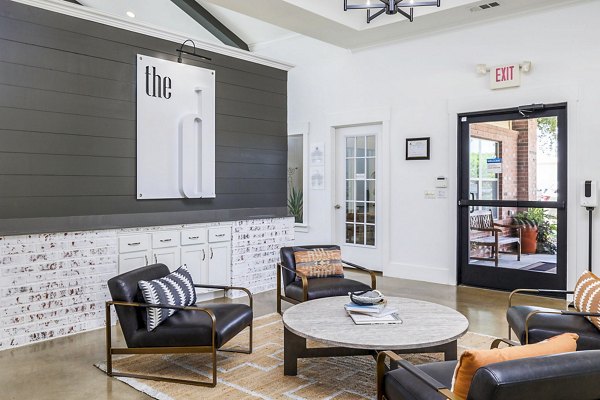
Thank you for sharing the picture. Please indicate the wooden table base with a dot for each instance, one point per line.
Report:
(294, 347)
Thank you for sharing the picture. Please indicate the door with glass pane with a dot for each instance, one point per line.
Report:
(356, 207)
(512, 193)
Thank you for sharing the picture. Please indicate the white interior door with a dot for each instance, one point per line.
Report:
(357, 208)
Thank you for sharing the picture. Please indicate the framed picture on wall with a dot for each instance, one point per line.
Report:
(417, 148)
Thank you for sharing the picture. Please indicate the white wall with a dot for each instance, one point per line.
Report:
(426, 82)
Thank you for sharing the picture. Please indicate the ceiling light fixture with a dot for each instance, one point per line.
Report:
(181, 51)
(130, 14)
(390, 7)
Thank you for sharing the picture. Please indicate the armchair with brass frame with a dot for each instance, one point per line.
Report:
(534, 324)
(191, 330)
(295, 291)
(574, 375)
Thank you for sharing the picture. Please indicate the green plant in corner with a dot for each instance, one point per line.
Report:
(295, 203)
(546, 228)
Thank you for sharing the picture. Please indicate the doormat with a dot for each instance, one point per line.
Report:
(540, 267)
(260, 375)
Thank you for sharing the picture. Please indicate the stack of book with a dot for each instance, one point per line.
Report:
(373, 314)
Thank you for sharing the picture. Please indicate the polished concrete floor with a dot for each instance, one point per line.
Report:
(63, 368)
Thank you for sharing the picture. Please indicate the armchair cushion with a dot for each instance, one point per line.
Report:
(175, 289)
(471, 360)
(324, 287)
(544, 326)
(587, 296)
(319, 263)
(288, 261)
(193, 328)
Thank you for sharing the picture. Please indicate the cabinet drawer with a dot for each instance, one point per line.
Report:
(128, 244)
(193, 236)
(219, 234)
(165, 239)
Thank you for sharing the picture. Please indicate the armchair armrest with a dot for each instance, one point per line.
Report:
(301, 275)
(223, 287)
(360, 268)
(395, 362)
(549, 291)
(557, 312)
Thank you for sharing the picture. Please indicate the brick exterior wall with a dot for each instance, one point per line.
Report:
(55, 284)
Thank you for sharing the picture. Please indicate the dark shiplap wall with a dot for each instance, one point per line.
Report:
(67, 129)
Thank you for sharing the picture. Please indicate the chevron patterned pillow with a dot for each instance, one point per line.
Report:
(175, 289)
(587, 296)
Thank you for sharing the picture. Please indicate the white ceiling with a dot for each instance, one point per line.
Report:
(259, 22)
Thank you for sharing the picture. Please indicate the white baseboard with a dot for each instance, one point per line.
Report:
(419, 273)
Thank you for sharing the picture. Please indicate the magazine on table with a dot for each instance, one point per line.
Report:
(366, 319)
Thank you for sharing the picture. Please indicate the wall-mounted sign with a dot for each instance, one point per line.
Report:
(494, 165)
(505, 76)
(175, 130)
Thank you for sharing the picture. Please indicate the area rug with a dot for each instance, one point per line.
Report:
(260, 375)
(541, 267)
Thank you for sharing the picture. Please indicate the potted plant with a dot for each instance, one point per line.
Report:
(538, 231)
(529, 232)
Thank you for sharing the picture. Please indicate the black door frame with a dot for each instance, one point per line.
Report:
(505, 278)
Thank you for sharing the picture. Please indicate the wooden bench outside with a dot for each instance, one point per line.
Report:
(483, 221)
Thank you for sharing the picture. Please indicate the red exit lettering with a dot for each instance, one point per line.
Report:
(504, 74)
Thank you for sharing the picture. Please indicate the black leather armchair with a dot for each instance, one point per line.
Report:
(297, 291)
(535, 324)
(202, 329)
(567, 376)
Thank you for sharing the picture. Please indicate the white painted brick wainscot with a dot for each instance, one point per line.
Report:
(54, 284)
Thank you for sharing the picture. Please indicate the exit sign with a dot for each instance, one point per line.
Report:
(505, 76)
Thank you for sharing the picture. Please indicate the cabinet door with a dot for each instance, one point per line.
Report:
(169, 256)
(219, 263)
(196, 259)
(130, 261)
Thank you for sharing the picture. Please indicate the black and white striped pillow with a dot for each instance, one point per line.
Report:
(175, 289)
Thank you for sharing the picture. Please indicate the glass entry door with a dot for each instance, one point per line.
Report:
(512, 191)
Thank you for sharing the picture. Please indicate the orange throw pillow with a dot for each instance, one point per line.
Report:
(587, 296)
(471, 360)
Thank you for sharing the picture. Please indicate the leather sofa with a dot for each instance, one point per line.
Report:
(568, 376)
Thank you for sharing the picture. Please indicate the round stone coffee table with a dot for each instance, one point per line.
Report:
(426, 328)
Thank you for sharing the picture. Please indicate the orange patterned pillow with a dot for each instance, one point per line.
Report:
(319, 263)
(471, 360)
(587, 296)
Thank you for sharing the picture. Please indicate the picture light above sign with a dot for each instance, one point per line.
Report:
(175, 130)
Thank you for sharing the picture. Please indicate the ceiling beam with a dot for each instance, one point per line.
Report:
(210, 23)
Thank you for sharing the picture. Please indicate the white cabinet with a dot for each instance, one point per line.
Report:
(206, 250)
(219, 262)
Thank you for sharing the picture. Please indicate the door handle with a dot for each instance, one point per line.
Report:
(155, 259)
(146, 258)
(203, 255)
(337, 207)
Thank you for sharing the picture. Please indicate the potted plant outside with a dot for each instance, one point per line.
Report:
(529, 232)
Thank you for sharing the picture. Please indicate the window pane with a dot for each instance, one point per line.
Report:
(371, 213)
(370, 235)
(370, 191)
(350, 190)
(360, 190)
(350, 168)
(360, 234)
(349, 211)
(370, 168)
(360, 146)
(350, 141)
(370, 146)
(350, 233)
(360, 168)
(360, 212)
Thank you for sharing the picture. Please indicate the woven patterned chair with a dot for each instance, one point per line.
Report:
(483, 221)
(303, 289)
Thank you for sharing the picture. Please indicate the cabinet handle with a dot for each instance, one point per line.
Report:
(203, 255)
(193, 237)
(155, 259)
(220, 235)
(134, 244)
(165, 240)
(146, 257)
(211, 254)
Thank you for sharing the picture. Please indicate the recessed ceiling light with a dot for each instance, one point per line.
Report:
(130, 14)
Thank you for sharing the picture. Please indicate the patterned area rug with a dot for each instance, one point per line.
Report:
(260, 375)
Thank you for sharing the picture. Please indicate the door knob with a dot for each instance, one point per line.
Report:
(337, 207)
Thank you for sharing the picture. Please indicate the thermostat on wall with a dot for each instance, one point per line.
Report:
(441, 182)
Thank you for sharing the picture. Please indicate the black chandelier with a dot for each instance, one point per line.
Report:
(390, 7)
